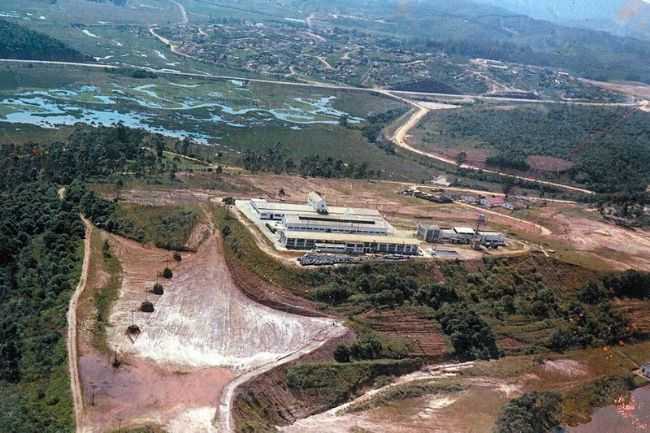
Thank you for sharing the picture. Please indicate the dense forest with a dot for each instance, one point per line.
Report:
(17, 42)
(39, 267)
(89, 154)
(610, 147)
(277, 160)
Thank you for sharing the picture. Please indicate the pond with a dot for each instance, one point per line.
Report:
(626, 416)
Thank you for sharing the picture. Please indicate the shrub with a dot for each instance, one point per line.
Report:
(332, 294)
(158, 289)
(535, 412)
(592, 293)
(471, 337)
(368, 347)
(146, 307)
(629, 284)
(342, 353)
(167, 273)
(178, 257)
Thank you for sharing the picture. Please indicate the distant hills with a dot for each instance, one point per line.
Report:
(621, 17)
(485, 30)
(17, 42)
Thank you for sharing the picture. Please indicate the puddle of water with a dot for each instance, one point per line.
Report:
(627, 416)
(36, 110)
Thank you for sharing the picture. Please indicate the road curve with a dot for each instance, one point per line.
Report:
(224, 416)
(419, 112)
(71, 343)
(184, 18)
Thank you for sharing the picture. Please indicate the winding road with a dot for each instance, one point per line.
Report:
(419, 112)
(224, 418)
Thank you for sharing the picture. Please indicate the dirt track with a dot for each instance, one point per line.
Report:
(71, 343)
(401, 135)
(204, 339)
(203, 319)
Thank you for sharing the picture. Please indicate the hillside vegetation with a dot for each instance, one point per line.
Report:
(17, 42)
(610, 147)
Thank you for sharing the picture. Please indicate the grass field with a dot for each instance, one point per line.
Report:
(164, 227)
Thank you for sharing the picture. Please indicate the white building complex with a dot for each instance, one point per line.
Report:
(460, 235)
(317, 226)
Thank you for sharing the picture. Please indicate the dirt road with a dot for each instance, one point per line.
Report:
(340, 420)
(224, 413)
(71, 343)
(419, 111)
(544, 231)
(184, 18)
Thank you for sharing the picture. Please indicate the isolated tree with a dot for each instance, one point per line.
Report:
(158, 289)
(167, 273)
(461, 158)
(225, 231)
(178, 257)
(342, 353)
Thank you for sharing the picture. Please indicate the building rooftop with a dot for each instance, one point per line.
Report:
(464, 230)
(345, 237)
(265, 206)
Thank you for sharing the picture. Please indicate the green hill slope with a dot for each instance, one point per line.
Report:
(17, 42)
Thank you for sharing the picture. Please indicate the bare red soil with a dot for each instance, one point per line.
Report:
(418, 331)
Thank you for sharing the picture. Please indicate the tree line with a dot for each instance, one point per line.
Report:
(18, 42)
(275, 159)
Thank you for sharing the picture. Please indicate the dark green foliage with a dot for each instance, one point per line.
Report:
(435, 296)
(629, 284)
(89, 153)
(471, 337)
(511, 160)
(380, 285)
(376, 123)
(147, 307)
(39, 262)
(590, 327)
(336, 383)
(158, 289)
(274, 159)
(342, 353)
(103, 214)
(609, 146)
(225, 231)
(17, 42)
(167, 273)
(593, 293)
(133, 73)
(535, 412)
(367, 347)
(332, 294)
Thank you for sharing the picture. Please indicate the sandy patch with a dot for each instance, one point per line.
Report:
(202, 319)
(566, 367)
